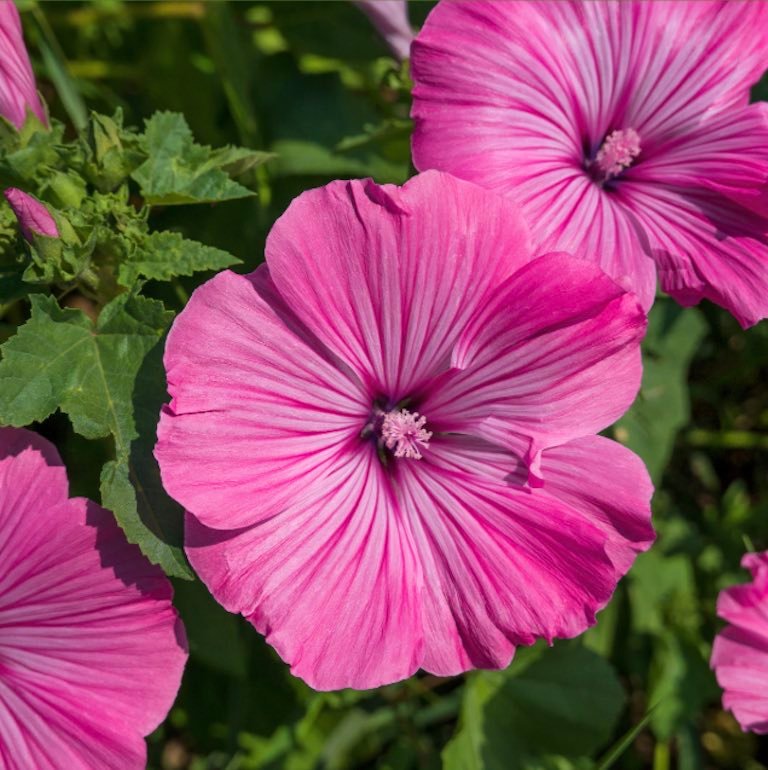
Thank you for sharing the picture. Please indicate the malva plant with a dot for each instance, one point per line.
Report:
(396, 395)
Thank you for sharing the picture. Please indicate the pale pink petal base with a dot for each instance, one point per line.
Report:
(91, 649)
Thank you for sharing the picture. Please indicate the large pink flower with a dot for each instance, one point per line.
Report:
(623, 129)
(385, 437)
(91, 650)
(740, 653)
(18, 92)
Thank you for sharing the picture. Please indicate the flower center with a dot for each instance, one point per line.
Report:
(403, 432)
(618, 152)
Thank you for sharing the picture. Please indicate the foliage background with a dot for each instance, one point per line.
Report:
(312, 83)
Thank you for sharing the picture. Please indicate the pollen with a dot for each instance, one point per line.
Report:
(403, 432)
(618, 152)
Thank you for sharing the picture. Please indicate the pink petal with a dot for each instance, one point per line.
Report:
(259, 408)
(727, 153)
(706, 247)
(609, 485)
(387, 277)
(740, 651)
(553, 356)
(446, 563)
(505, 565)
(18, 92)
(332, 581)
(390, 17)
(91, 650)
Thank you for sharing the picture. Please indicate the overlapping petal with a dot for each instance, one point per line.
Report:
(740, 652)
(387, 277)
(553, 356)
(91, 650)
(259, 407)
(706, 246)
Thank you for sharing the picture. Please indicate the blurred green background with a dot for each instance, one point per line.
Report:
(312, 82)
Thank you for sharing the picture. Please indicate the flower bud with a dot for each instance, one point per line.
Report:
(34, 218)
(390, 17)
(18, 92)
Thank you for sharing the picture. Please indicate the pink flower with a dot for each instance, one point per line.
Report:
(622, 128)
(385, 436)
(740, 653)
(18, 92)
(91, 650)
(390, 17)
(33, 217)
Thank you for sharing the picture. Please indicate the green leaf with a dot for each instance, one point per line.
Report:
(58, 70)
(112, 151)
(131, 485)
(662, 590)
(620, 747)
(236, 161)
(60, 359)
(550, 709)
(179, 171)
(13, 286)
(131, 490)
(681, 682)
(662, 406)
(164, 255)
(215, 636)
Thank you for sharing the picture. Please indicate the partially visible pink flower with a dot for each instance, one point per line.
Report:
(91, 650)
(390, 17)
(32, 215)
(18, 91)
(385, 436)
(622, 128)
(740, 652)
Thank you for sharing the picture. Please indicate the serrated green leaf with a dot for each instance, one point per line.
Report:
(164, 255)
(179, 171)
(131, 485)
(237, 160)
(112, 151)
(60, 360)
(98, 374)
(662, 406)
